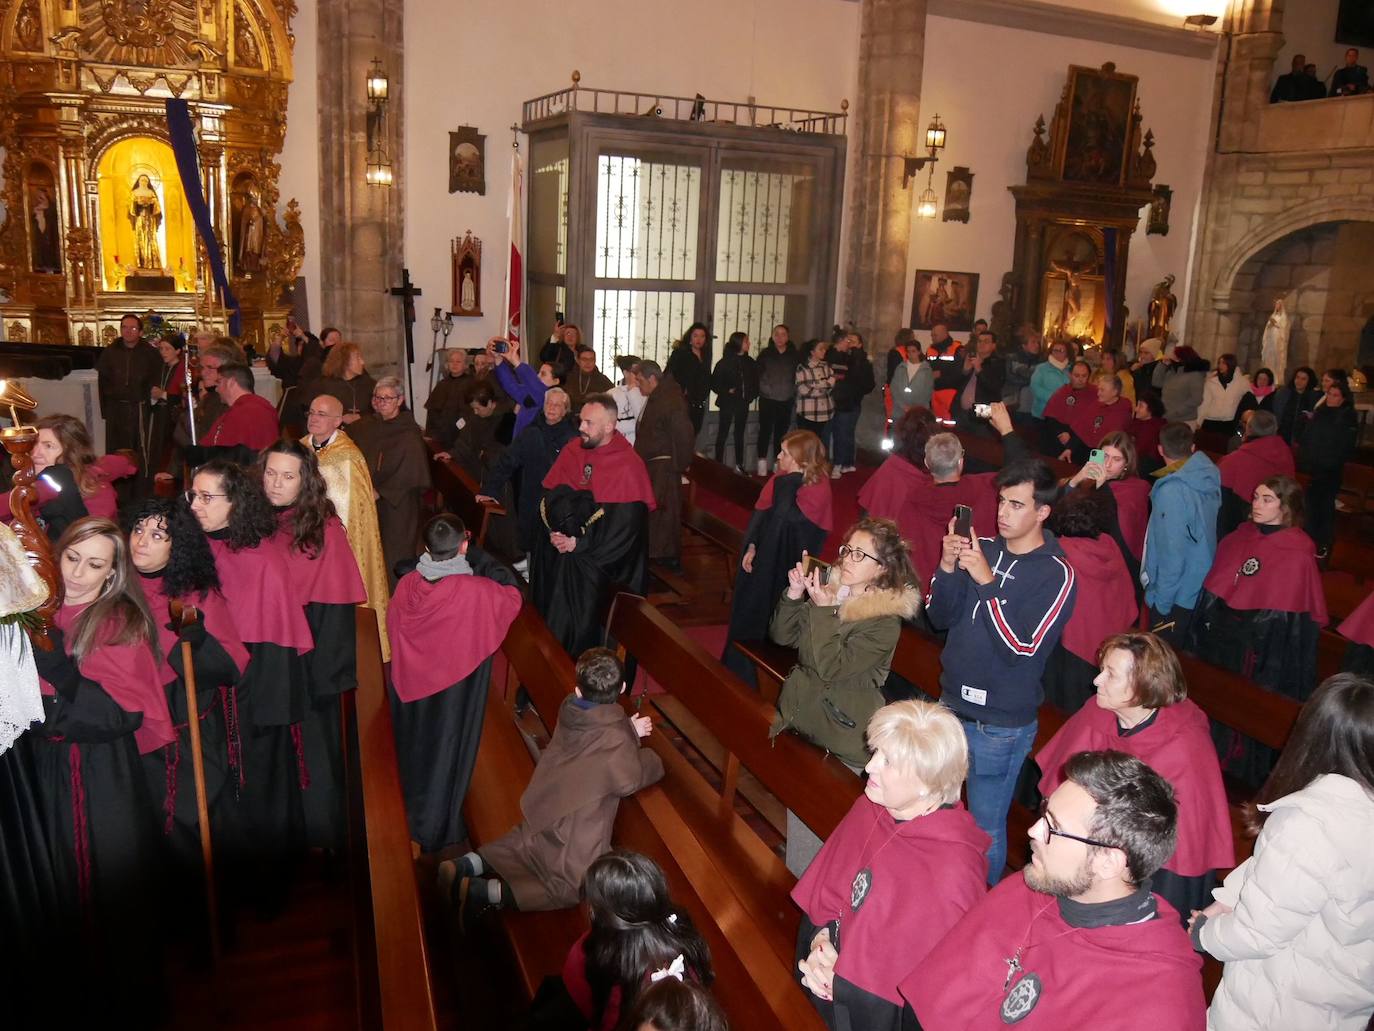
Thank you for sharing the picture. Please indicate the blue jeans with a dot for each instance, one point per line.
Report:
(995, 757)
(842, 428)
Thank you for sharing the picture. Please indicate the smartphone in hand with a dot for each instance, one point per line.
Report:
(1097, 455)
(963, 521)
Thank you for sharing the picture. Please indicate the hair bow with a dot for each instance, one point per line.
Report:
(677, 968)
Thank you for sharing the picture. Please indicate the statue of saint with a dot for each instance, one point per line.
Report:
(1071, 308)
(467, 297)
(146, 215)
(1163, 304)
(43, 229)
(251, 228)
(1274, 343)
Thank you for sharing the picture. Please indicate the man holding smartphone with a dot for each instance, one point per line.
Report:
(1004, 602)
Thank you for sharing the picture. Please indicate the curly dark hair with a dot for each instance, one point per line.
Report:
(912, 431)
(1084, 511)
(636, 929)
(313, 509)
(251, 519)
(190, 568)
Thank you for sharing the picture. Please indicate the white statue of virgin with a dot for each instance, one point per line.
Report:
(1274, 349)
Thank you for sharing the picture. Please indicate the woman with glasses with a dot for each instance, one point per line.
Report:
(398, 460)
(105, 707)
(1293, 922)
(844, 623)
(325, 576)
(899, 871)
(791, 518)
(1142, 708)
(269, 702)
(175, 566)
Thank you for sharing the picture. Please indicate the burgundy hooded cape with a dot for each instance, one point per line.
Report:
(262, 600)
(251, 421)
(1276, 572)
(214, 613)
(443, 630)
(887, 494)
(1105, 603)
(1119, 978)
(814, 499)
(1253, 462)
(925, 874)
(1359, 625)
(1132, 496)
(330, 577)
(932, 507)
(128, 673)
(1092, 420)
(1178, 746)
(1065, 403)
(613, 472)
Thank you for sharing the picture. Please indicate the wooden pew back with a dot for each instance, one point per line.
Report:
(459, 491)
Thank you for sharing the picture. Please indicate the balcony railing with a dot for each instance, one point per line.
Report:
(1314, 126)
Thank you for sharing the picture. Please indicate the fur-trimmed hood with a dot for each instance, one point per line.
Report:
(903, 603)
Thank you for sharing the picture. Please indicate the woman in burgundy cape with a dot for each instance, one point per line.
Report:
(446, 622)
(104, 705)
(174, 562)
(1358, 629)
(902, 867)
(1106, 602)
(793, 514)
(1261, 612)
(270, 700)
(328, 586)
(1142, 708)
(888, 492)
(1127, 495)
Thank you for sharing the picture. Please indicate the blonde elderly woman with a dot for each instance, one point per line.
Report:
(398, 461)
(900, 870)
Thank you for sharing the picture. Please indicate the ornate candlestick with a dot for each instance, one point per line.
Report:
(19, 441)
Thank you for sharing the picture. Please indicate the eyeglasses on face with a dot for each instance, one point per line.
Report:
(859, 554)
(387, 398)
(1047, 818)
(205, 499)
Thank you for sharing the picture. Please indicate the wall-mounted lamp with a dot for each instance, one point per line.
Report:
(378, 171)
(928, 205)
(936, 138)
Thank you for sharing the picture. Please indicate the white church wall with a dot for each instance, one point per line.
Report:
(476, 63)
(300, 156)
(988, 84)
(1309, 28)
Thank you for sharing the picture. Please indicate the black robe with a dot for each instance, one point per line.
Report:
(779, 535)
(527, 461)
(572, 591)
(30, 911)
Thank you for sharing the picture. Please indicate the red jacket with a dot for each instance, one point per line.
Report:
(250, 421)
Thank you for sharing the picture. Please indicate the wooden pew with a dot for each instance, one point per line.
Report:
(393, 969)
(459, 491)
(704, 474)
(988, 452)
(756, 989)
(1344, 592)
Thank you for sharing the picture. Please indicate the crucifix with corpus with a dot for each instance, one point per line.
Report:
(408, 291)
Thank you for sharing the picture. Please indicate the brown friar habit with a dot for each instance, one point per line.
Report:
(664, 440)
(398, 462)
(442, 406)
(125, 377)
(592, 761)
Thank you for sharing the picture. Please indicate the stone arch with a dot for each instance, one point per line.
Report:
(1299, 217)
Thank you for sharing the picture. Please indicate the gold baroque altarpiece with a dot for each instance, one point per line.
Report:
(95, 221)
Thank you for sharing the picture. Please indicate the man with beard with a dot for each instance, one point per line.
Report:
(664, 440)
(1053, 946)
(593, 538)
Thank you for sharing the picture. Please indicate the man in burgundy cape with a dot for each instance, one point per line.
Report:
(594, 534)
(1077, 939)
(249, 425)
(1106, 411)
(1263, 454)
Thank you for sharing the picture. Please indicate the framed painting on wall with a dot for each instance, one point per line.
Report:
(467, 161)
(958, 190)
(948, 297)
(1100, 104)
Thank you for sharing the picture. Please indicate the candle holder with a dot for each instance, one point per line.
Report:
(19, 441)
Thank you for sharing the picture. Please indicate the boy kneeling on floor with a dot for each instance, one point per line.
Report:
(592, 761)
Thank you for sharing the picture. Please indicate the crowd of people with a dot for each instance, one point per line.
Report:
(240, 564)
(1300, 82)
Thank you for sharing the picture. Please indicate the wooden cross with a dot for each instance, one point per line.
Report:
(408, 291)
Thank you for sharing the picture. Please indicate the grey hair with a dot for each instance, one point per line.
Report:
(943, 454)
(648, 370)
(1263, 424)
(557, 392)
(394, 382)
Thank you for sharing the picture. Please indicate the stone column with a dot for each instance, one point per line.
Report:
(886, 125)
(361, 226)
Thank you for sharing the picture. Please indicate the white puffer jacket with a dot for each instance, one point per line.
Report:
(1299, 946)
(1220, 402)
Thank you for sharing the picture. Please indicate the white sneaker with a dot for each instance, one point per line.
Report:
(851, 469)
(761, 469)
(835, 473)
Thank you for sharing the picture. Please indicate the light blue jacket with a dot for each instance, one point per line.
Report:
(1045, 380)
(1181, 540)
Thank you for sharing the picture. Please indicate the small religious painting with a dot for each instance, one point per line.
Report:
(1100, 105)
(45, 230)
(948, 297)
(958, 190)
(467, 275)
(1158, 224)
(467, 161)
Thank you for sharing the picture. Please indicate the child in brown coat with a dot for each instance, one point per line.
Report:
(592, 761)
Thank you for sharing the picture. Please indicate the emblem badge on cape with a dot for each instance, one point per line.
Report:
(1021, 999)
(587, 473)
(858, 891)
(1250, 566)
(1071, 400)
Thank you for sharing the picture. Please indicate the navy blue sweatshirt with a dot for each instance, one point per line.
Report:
(1001, 634)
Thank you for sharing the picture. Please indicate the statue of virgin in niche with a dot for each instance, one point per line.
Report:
(145, 212)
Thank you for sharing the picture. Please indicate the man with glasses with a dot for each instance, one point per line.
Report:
(1004, 601)
(349, 486)
(398, 463)
(1078, 940)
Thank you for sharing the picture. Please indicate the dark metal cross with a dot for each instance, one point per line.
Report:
(408, 291)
